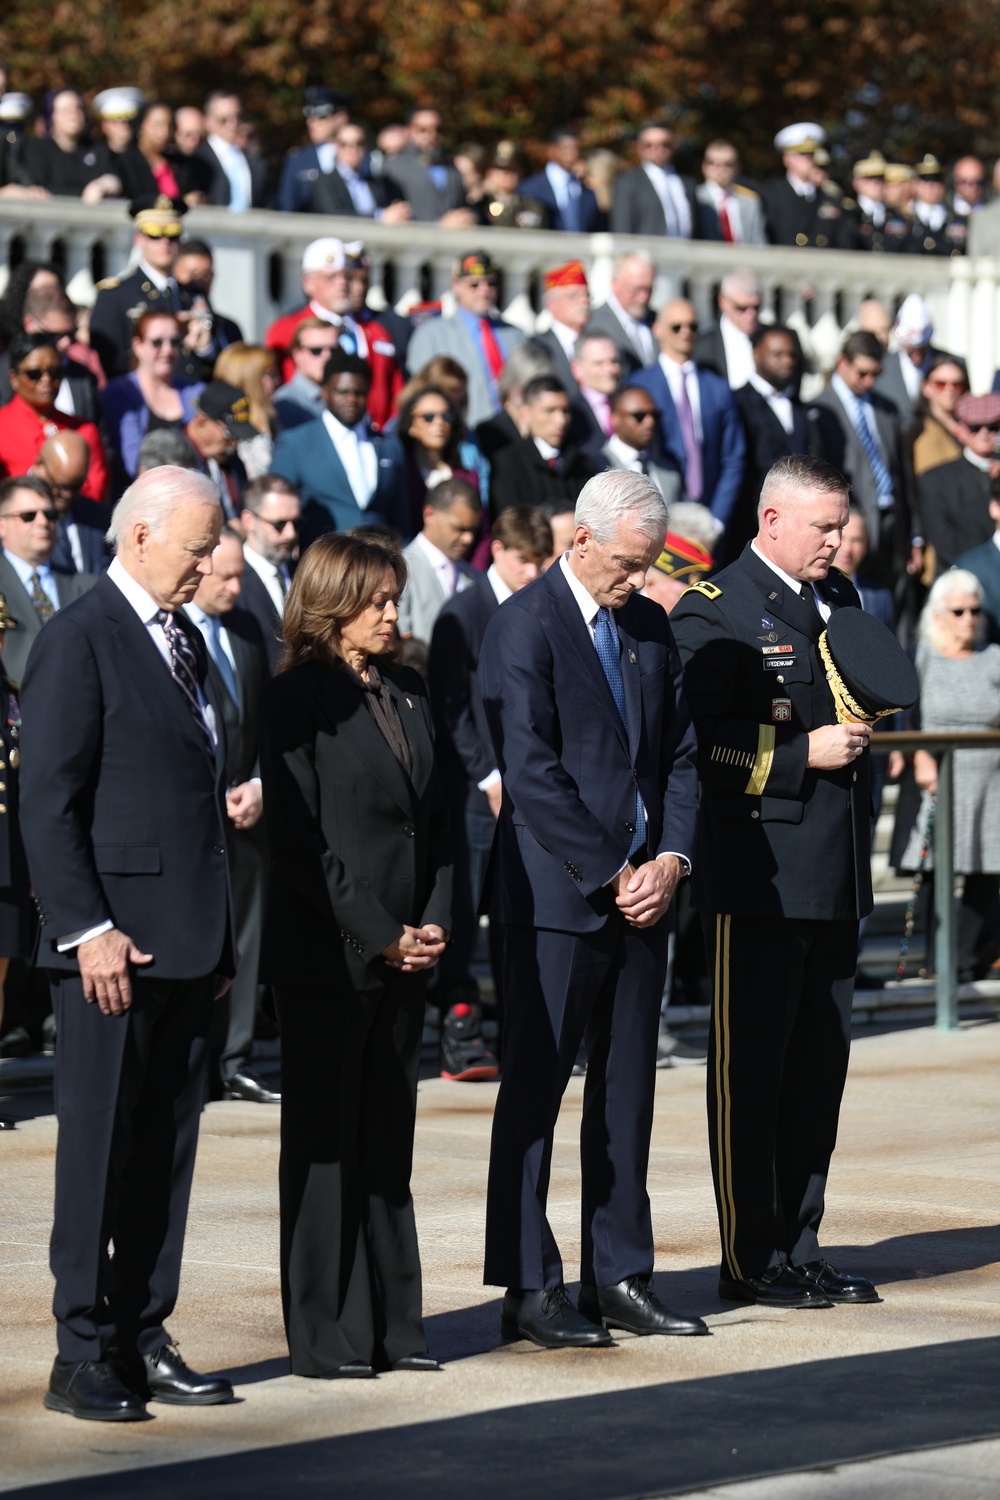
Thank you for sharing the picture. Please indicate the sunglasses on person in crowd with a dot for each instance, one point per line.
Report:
(170, 343)
(56, 372)
(27, 516)
(967, 609)
(434, 416)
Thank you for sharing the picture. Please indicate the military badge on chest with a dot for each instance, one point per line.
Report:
(781, 710)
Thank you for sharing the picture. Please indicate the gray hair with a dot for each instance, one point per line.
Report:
(525, 362)
(154, 497)
(695, 523)
(622, 260)
(955, 581)
(165, 446)
(608, 498)
(798, 475)
(740, 280)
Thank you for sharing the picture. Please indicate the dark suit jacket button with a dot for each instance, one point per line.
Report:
(630, 828)
(409, 830)
(218, 849)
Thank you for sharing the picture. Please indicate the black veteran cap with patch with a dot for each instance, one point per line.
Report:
(869, 673)
(227, 404)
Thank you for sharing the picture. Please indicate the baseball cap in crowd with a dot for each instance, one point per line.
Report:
(683, 559)
(476, 263)
(868, 671)
(227, 404)
(324, 255)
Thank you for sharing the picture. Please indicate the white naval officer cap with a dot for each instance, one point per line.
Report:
(15, 107)
(119, 103)
(805, 138)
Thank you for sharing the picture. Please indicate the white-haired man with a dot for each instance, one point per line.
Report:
(581, 687)
(726, 347)
(124, 823)
(625, 316)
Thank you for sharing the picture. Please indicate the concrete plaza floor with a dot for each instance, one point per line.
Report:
(817, 1398)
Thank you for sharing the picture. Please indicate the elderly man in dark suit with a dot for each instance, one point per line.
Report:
(349, 191)
(125, 830)
(593, 742)
(654, 198)
(33, 588)
(862, 438)
(237, 670)
(626, 317)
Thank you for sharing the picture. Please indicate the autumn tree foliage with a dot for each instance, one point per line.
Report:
(909, 75)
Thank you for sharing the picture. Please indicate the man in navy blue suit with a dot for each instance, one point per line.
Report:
(595, 752)
(345, 476)
(572, 207)
(325, 110)
(701, 434)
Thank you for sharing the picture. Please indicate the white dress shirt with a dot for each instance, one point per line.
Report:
(973, 458)
(445, 571)
(628, 457)
(688, 372)
(670, 191)
(361, 194)
(346, 322)
(873, 208)
(24, 571)
(237, 170)
(722, 198)
(739, 353)
(356, 452)
(326, 156)
(268, 574)
(640, 334)
(795, 584)
(779, 402)
(502, 593)
(805, 190)
(931, 215)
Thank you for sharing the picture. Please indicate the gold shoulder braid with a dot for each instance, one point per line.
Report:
(849, 710)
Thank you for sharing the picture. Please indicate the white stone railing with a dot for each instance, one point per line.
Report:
(258, 257)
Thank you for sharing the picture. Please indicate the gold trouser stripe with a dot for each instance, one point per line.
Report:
(727, 1204)
(762, 764)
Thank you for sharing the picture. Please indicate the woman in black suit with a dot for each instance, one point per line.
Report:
(358, 910)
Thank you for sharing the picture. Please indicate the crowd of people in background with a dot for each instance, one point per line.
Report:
(464, 441)
(124, 144)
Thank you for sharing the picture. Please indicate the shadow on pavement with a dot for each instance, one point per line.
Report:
(653, 1441)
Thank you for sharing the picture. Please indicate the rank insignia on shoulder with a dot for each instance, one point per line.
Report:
(108, 284)
(710, 590)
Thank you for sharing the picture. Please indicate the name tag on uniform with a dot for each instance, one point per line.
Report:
(781, 710)
(779, 661)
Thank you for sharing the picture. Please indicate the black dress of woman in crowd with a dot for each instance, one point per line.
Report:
(15, 934)
(358, 912)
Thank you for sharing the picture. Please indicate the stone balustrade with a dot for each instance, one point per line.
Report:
(258, 257)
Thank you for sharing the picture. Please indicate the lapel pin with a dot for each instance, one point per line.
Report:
(631, 657)
(773, 595)
(409, 703)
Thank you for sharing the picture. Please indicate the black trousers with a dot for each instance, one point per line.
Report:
(350, 1265)
(237, 1011)
(779, 1041)
(128, 1093)
(604, 988)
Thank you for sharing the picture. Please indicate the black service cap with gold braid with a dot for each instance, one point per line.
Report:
(869, 673)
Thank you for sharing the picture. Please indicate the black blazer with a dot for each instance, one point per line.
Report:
(331, 195)
(522, 477)
(954, 502)
(121, 804)
(91, 519)
(495, 433)
(217, 183)
(251, 674)
(464, 748)
(256, 601)
(357, 848)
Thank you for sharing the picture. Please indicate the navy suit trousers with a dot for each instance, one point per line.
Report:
(560, 988)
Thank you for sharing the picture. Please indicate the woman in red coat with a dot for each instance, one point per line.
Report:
(31, 416)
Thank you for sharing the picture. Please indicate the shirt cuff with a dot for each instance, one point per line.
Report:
(488, 781)
(67, 944)
(685, 862)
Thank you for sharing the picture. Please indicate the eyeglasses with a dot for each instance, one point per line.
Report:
(293, 521)
(970, 181)
(475, 282)
(27, 516)
(680, 327)
(946, 385)
(315, 349)
(640, 416)
(55, 372)
(433, 416)
(968, 609)
(170, 343)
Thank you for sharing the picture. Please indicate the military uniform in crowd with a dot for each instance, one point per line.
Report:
(813, 217)
(501, 203)
(14, 111)
(122, 300)
(934, 229)
(781, 878)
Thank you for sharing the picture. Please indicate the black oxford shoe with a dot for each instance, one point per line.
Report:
(93, 1391)
(170, 1380)
(548, 1318)
(353, 1369)
(836, 1287)
(416, 1362)
(249, 1087)
(633, 1306)
(780, 1286)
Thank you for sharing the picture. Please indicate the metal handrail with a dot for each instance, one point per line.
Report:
(945, 948)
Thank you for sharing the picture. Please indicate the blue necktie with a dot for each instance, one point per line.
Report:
(609, 655)
(216, 650)
(883, 479)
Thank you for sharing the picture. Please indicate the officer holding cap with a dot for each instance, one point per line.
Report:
(781, 875)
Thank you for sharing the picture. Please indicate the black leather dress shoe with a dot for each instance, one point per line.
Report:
(836, 1287)
(416, 1362)
(92, 1390)
(548, 1318)
(170, 1380)
(354, 1369)
(780, 1286)
(248, 1086)
(635, 1307)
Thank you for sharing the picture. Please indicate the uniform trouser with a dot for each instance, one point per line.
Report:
(128, 1093)
(779, 1041)
(559, 987)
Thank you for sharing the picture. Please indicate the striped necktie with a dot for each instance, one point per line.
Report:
(883, 479)
(44, 608)
(184, 671)
(608, 645)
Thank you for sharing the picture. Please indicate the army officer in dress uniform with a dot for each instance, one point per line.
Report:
(781, 878)
(122, 300)
(15, 937)
(934, 229)
(501, 203)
